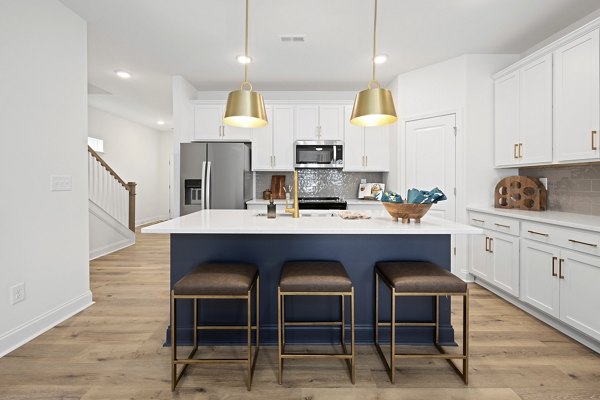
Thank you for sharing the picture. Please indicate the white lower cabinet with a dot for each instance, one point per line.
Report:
(541, 267)
(563, 284)
(579, 291)
(495, 259)
(539, 276)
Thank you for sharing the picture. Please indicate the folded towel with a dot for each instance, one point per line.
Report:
(391, 197)
(416, 196)
(432, 196)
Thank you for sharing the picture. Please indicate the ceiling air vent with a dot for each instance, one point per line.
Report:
(292, 38)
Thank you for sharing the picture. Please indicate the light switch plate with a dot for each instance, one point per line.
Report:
(61, 183)
(544, 182)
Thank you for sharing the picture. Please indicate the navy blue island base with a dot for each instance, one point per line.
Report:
(358, 253)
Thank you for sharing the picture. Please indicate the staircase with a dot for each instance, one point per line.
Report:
(111, 208)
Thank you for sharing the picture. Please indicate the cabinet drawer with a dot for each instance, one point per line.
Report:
(572, 239)
(494, 223)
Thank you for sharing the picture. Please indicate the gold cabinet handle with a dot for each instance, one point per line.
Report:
(520, 150)
(538, 233)
(491, 243)
(560, 269)
(478, 220)
(594, 146)
(554, 265)
(587, 244)
(487, 243)
(503, 226)
(515, 151)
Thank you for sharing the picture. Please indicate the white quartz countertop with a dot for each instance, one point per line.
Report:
(571, 220)
(319, 222)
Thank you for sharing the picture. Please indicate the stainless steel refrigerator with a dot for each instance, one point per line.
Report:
(214, 176)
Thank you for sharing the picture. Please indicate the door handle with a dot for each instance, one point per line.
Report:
(554, 266)
(487, 243)
(503, 226)
(594, 146)
(515, 151)
(491, 243)
(366, 161)
(478, 220)
(560, 269)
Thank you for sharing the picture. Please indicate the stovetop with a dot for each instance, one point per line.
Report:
(322, 203)
(320, 200)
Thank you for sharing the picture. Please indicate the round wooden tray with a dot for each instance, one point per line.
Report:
(406, 212)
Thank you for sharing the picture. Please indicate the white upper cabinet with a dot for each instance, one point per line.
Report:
(208, 122)
(523, 115)
(319, 122)
(535, 116)
(506, 120)
(208, 125)
(272, 146)
(283, 138)
(262, 145)
(354, 143)
(365, 149)
(577, 99)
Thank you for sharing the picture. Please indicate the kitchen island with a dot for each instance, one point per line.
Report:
(248, 236)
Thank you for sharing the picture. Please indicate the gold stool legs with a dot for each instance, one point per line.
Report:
(391, 367)
(281, 324)
(249, 360)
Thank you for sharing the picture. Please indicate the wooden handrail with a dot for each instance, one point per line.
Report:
(108, 168)
(129, 186)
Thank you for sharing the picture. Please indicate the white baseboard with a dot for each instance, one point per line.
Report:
(97, 253)
(150, 220)
(548, 320)
(24, 333)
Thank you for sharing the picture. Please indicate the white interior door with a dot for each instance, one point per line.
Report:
(431, 160)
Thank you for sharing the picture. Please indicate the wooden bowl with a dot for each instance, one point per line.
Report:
(406, 212)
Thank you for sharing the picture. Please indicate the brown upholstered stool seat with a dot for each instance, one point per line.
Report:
(217, 279)
(314, 276)
(421, 277)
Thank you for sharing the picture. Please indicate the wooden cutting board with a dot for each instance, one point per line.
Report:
(277, 186)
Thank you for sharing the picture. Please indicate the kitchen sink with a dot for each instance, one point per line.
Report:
(303, 213)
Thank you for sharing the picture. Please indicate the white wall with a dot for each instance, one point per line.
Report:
(44, 235)
(137, 154)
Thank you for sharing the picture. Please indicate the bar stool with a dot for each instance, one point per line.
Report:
(416, 278)
(315, 278)
(224, 281)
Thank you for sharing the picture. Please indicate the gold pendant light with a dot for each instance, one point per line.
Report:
(245, 108)
(373, 106)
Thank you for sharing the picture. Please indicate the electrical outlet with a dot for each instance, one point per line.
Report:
(60, 183)
(17, 293)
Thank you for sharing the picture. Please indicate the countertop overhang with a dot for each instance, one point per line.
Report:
(248, 222)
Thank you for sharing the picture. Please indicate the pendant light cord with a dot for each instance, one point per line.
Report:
(374, 39)
(246, 45)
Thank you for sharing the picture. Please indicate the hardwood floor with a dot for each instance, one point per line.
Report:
(113, 350)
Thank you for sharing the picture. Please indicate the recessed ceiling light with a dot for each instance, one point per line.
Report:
(160, 122)
(123, 74)
(380, 59)
(244, 59)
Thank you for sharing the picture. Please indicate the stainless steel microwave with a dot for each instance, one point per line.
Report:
(318, 154)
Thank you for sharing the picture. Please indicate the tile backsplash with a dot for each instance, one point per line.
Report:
(320, 182)
(574, 188)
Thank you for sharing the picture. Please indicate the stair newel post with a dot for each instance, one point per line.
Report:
(131, 190)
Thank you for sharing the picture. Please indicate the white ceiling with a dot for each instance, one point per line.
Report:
(199, 39)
